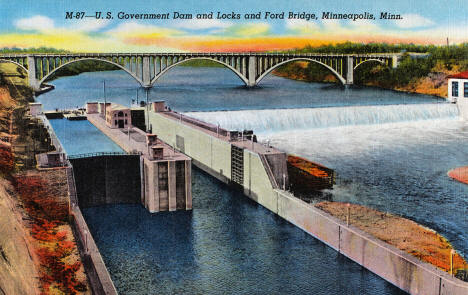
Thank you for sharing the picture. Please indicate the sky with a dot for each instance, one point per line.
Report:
(43, 23)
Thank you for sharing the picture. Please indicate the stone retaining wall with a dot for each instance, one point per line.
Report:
(98, 276)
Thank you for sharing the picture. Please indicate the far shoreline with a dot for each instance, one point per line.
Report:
(276, 74)
(301, 79)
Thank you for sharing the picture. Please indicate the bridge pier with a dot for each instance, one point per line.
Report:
(349, 70)
(394, 61)
(146, 72)
(252, 71)
(33, 82)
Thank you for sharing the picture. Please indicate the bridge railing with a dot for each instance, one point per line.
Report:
(98, 154)
(271, 54)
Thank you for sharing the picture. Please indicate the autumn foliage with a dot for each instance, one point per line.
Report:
(53, 249)
(7, 160)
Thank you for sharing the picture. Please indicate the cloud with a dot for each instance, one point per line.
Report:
(364, 26)
(134, 29)
(35, 23)
(221, 35)
(413, 21)
(47, 25)
(202, 24)
(331, 24)
(247, 30)
(91, 25)
(301, 26)
(79, 42)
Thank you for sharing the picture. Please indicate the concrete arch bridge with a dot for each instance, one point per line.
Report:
(147, 68)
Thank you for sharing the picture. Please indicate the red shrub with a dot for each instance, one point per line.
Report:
(7, 161)
(47, 215)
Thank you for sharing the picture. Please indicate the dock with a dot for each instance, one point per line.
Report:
(75, 117)
(71, 114)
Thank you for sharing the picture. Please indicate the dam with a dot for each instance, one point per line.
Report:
(202, 233)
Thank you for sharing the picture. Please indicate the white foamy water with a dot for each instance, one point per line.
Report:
(310, 118)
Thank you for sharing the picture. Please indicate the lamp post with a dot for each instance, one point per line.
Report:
(347, 213)
(452, 253)
(147, 110)
(105, 99)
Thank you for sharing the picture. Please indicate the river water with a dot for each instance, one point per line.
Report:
(391, 152)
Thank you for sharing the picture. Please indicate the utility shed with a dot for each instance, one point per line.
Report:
(458, 92)
(118, 116)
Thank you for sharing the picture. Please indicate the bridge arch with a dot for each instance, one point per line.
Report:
(340, 78)
(239, 74)
(370, 60)
(16, 63)
(89, 58)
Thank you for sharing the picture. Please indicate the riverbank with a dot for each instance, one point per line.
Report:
(36, 240)
(434, 84)
(404, 234)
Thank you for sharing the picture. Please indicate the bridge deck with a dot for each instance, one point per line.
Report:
(115, 54)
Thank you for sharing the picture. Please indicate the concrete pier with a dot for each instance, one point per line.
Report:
(232, 157)
(165, 173)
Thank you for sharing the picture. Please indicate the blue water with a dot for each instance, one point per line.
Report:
(211, 89)
(229, 244)
(79, 137)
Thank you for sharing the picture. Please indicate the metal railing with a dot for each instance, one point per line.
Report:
(270, 54)
(71, 184)
(98, 154)
(55, 141)
(199, 123)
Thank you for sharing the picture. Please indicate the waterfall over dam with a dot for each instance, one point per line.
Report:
(310, 118)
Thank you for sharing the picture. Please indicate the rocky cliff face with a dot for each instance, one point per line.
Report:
(18, 268)
(18, 273)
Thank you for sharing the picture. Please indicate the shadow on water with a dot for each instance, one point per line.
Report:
(228, 244)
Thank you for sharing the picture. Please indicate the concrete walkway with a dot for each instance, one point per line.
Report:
(242, 143)
(131, 142)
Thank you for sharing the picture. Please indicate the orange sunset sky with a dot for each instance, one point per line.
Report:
(45, 24)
